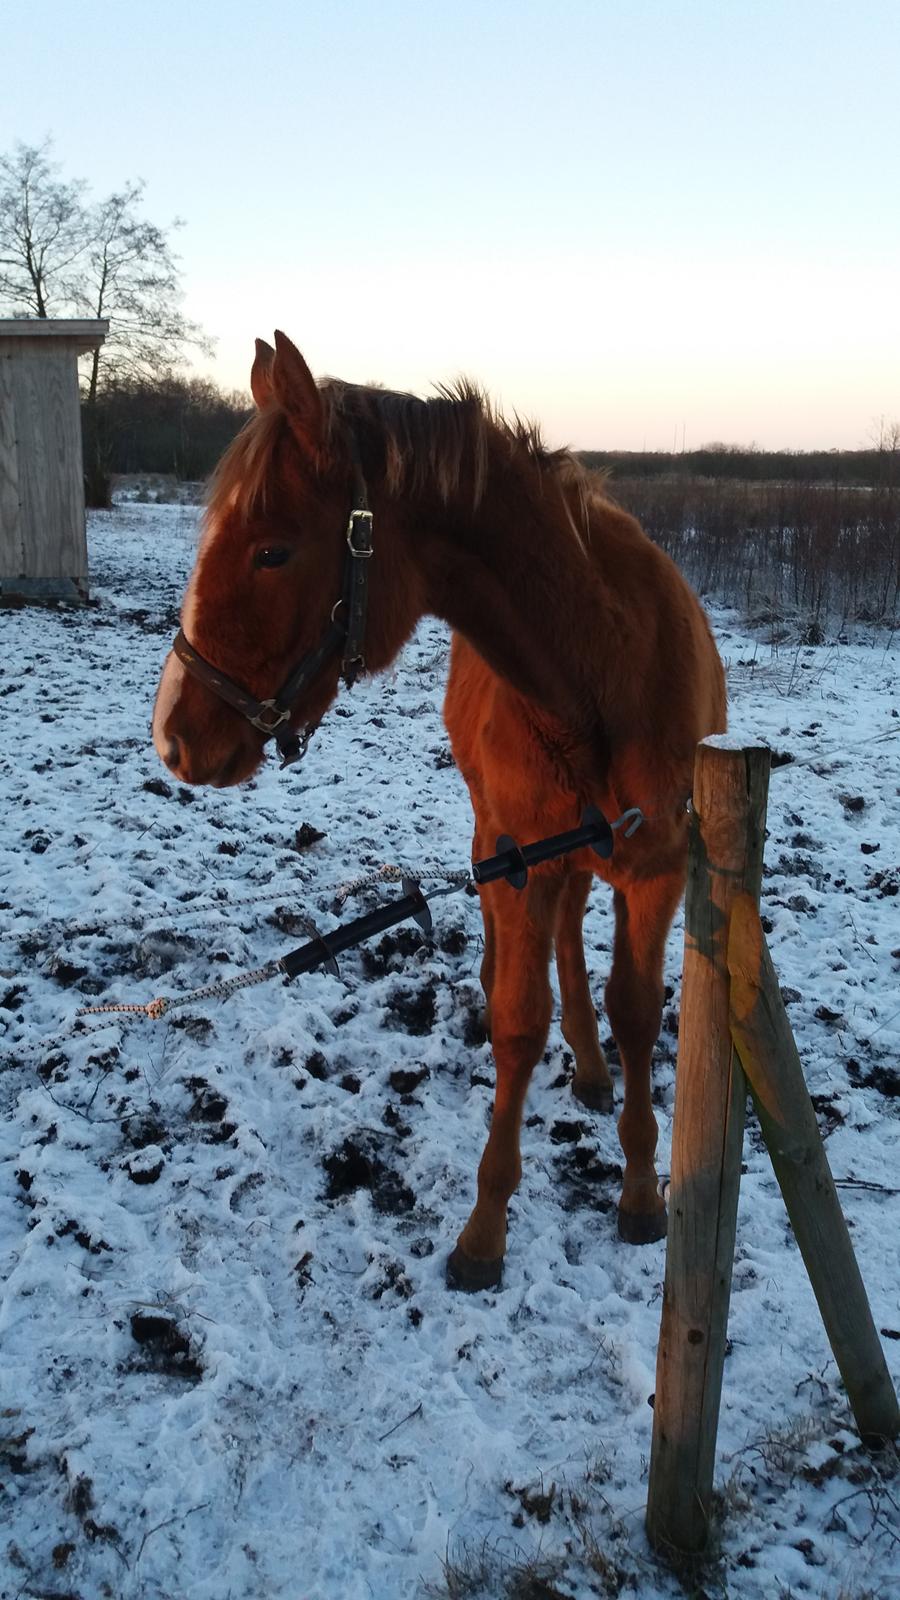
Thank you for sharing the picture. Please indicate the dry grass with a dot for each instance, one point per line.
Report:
(585, 1546)
(582, 1546)
(810, 552)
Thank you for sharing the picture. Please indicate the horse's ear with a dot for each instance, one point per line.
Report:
(261, 374)
(295, 389)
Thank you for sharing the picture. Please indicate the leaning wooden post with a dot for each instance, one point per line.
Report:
(726, 851)
(762, 1034)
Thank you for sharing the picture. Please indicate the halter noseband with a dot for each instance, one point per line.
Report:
(272, 717)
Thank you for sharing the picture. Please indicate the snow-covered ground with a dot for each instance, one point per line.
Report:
(230, 1364)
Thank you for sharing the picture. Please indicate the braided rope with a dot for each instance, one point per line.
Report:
(12, 1054)
(155, 1009)
(366, 880)
(200, 909)
(394, 874)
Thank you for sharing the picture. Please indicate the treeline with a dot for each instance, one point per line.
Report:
(863, 468)
(181, 426)
(173, 426)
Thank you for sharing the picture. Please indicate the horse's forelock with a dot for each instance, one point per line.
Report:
(240, 480)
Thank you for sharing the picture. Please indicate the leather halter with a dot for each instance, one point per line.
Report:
(272, 717)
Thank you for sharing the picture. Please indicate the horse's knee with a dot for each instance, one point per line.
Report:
(516, 1049)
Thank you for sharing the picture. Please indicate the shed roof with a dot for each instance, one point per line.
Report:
(78, 334)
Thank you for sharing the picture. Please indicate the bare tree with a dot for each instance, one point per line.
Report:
(130, 274)
(61, 255)
(885, 434)
(43, 232)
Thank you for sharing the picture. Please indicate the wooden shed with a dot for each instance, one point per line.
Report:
(43, 548)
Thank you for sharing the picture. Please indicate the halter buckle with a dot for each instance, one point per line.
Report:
(269, 716)
(361, 522)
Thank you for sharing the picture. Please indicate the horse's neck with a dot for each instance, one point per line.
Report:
(515, 580)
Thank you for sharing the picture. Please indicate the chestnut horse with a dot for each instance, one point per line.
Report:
(582, 669)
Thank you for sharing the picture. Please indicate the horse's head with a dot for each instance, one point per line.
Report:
(271, 597)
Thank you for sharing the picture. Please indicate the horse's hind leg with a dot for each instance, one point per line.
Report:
(634, 999)
(592, 1084)
(520, 1020)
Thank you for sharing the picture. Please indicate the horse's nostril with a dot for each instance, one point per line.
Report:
(173, 754)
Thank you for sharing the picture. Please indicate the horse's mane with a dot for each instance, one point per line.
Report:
(442, 442)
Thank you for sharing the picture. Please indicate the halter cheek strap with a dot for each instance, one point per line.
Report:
(356, 591)
(346, 632)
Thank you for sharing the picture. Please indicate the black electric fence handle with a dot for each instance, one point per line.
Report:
(512, 861)
(323, 950)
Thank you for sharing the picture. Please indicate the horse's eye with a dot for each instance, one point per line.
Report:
(271, 555)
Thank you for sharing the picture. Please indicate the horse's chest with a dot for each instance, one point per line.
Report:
(514, 780)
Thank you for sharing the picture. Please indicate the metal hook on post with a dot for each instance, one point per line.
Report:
(637, 816)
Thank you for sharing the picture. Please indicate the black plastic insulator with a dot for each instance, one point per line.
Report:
(512, 861)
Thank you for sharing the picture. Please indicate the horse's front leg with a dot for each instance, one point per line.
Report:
(520, 1002)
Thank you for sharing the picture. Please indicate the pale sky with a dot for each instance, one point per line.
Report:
(633, 221)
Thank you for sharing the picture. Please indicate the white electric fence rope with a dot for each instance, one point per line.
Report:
(394, 874)
(155, 1009)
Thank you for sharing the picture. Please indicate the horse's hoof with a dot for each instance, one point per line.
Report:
(597, 1097)
(642, 1227)
(464, 1272)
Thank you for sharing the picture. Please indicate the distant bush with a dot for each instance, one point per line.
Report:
(817, 550)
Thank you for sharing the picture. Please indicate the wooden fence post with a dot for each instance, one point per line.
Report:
(765, 1043)
(726, 851)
